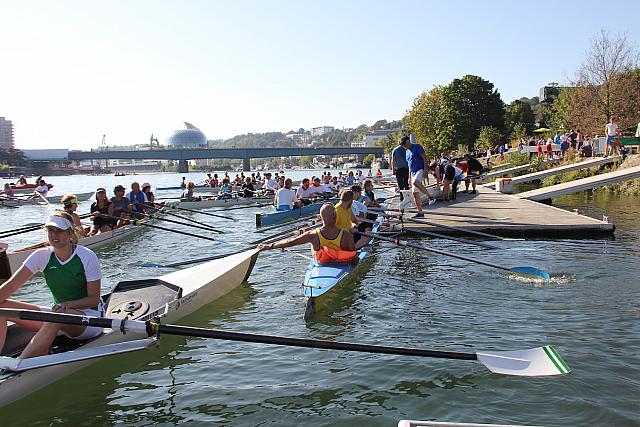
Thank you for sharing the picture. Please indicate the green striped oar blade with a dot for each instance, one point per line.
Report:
(540, 361)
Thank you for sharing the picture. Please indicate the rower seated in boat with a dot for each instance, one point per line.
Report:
(119, 208)
(72, 274)
(305, 193)
(138, 200)
(226, 189)
(285, 198)
(70, 205)
(8, 191)
(99, 209)
(329, 243)
(248, 189)
(187, 194)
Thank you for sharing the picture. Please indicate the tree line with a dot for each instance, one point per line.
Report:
(469, 113)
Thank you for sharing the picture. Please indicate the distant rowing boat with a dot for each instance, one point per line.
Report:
(172, 296)
(275, 217)
(320, 280)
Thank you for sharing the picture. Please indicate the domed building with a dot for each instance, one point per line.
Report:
(191, 137)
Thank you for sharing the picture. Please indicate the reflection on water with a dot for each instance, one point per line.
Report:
(404, 297)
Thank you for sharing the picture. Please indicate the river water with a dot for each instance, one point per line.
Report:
(590, 312)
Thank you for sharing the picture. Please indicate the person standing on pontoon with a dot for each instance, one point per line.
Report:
(72, 274)
(417, 159)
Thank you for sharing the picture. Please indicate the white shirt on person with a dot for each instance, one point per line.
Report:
(42, 189)
(305, 193)
(286, 197)
(359, 209)
(271, 184)
(612, 129)
(38, 261)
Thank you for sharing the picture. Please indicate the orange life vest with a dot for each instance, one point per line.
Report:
(330, 250)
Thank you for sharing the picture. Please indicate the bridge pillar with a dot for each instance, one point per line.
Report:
(246, 164)
(183, 166)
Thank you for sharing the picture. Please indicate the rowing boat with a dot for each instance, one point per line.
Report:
(172, 296)
(321, 279)
(82, 197)
(10, 262)
(213, 203)
(13, 202)
(279, 216)
(26, 188)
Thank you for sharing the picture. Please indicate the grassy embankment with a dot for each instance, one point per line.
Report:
(626, 187)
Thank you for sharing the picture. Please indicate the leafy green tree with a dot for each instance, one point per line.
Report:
(380, 124)
(519, 113)
(561, 109)
(423, 119)
(470, 104)
(518, 131)
(489, 137)
(447, 116)
(12, 156)
(305, 161)
(368, 160)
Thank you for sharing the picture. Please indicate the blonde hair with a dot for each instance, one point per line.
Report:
(69, 199)
(73, 235)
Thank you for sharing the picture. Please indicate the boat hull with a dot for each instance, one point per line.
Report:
(321, 280)
(199, 285)
(263, 219)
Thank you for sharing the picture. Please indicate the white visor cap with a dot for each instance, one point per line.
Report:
(59, 222)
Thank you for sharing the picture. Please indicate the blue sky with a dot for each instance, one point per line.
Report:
(72, 71)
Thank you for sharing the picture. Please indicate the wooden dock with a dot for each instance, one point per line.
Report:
(588, 183)
(507, 215)
(503, 172)
(585, 164)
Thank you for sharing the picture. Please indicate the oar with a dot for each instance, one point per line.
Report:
(243, 207)
(444, 236)
(521, 270)
(282, 224)
(191, 223)
(207, 228)
(312, 224)
(213, 257)
(196, 211)
(449, 227)
(428, 212)
(535, 362)
(146, 224)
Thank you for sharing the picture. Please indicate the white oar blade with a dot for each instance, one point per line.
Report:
(535, 362)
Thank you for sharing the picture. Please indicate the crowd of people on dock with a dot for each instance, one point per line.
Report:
(412, 169)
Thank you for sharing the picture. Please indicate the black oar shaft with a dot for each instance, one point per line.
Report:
(455, 239)
(146, 224)
(310, 343)
(151, 328)
(437, 251)
(198, 212)
(448, 227)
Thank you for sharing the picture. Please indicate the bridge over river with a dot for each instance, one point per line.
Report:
(182, 155)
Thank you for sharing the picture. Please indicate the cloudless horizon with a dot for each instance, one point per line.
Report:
(72, 71)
